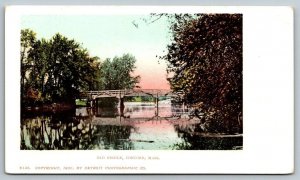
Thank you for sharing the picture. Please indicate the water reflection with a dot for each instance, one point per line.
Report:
(43, 133)
(143, 126)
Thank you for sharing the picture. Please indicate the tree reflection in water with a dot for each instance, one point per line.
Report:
(64, 132)
(86, 129)
(195, 139)
(44, 133)
(113, 137)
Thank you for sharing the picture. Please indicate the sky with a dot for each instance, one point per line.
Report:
(107, 36)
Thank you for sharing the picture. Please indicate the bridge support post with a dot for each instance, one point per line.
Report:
(121, 106)
(91, 103)
(156, 105)
(183, 106)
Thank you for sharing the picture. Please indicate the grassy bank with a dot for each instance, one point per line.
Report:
(80, 102)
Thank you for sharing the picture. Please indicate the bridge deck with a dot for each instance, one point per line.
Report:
(130, 93)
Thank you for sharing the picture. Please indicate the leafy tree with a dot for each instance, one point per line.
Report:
(71, 69)
(39, 65)
(28, 38)
(117, 73)
(55, 70)
(205, 59)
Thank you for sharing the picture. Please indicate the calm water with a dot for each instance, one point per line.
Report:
(143, 126)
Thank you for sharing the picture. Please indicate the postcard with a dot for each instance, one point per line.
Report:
(149, 90)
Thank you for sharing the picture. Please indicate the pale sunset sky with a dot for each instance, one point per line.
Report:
(107, 36)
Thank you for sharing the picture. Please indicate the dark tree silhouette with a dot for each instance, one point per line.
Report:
(205, 61)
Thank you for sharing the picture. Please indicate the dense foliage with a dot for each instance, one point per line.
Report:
(57, 70)
(117, 73)
(205, 61)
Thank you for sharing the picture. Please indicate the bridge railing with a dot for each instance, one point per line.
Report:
(131, 92)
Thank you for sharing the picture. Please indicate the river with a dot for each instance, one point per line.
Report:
(142, 127)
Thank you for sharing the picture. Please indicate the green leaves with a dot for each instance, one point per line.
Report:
(58, 68)
(117, 73)
(205, 57)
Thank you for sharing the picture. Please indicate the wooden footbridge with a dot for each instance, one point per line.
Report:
(130, 93)
(92, 96)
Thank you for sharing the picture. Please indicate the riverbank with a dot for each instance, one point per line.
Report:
(54, 107)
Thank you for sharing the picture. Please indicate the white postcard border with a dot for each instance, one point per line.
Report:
(268, 102)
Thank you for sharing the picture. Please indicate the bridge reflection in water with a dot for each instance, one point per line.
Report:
(94, 96)
(141, 127)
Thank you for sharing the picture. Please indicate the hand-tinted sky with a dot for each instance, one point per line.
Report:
(107, 36)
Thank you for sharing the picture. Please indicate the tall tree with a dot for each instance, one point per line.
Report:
(56, 69)
(71, 69)
(118, 73)
(205, 58)
(28, 38)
